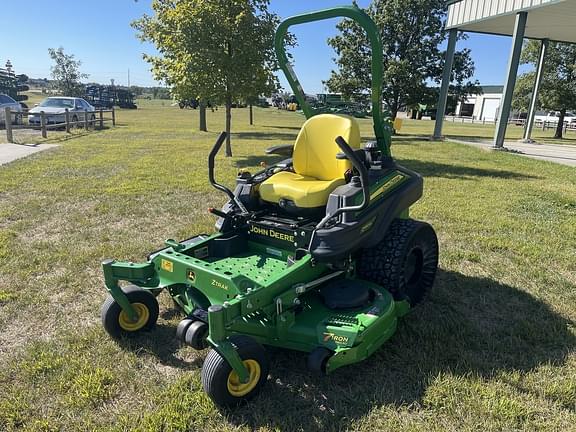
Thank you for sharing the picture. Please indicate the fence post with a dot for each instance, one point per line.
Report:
(43, 124)
(113, 117)
(8, 121)
(86, 120)
(67, 120)
(101, 119)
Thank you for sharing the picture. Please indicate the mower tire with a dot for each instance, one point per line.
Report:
(196, 335)
(182, 328)
(404, 262)
(116, 322)
(222, 384)
(317, 360)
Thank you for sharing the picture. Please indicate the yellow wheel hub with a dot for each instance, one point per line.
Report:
(238, 388)
(131, 326)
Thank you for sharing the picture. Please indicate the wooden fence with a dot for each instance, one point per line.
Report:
(85, 119)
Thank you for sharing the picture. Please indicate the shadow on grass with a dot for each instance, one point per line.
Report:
(161, 343)
(257, 160)
(435, 169)
(281, 136)
(469, 326)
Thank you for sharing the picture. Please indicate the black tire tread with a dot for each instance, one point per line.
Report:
(383, 263)
(216, 369)
(111, 310)
(195, 335)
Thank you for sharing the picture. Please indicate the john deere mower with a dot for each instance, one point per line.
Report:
(316, 253)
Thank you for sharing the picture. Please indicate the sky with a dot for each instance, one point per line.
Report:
(99, 34)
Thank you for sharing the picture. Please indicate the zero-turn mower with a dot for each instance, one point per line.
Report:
(316, 253)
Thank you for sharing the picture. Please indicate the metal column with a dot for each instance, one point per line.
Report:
(448, 63)
(535, 91)
(517, 40)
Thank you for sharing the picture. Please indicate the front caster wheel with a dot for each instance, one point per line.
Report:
(223, 385)
(196, 334)
(116, 322)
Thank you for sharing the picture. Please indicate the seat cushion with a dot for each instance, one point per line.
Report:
(305, 192)
(315, 149)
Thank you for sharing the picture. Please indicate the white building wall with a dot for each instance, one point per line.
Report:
(485, 106)
(467, 11)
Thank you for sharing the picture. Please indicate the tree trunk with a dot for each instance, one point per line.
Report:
(203, 126)
(251, 116)
(560, 125)
(228, 124)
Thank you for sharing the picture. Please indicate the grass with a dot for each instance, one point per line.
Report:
(492, 348)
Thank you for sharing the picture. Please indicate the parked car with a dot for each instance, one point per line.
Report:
(55, 108)
(552, 117)
(7, 102)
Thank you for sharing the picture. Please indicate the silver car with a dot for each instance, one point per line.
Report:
(7, 102)
(55, 108)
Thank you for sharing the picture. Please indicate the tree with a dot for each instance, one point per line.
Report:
(66, 73)
(558, 88)
(411, 32)
(215, 51)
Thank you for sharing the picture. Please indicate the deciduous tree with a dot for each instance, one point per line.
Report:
(558, 88)
(212, 50)
(411, 32)
(66, 73)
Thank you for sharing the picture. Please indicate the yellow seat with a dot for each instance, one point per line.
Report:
(317, 172)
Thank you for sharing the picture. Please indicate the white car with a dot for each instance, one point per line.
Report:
(7, 102)
(55, 109)
(553, 116)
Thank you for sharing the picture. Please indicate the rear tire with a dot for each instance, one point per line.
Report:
(220, 382)
(404, 262)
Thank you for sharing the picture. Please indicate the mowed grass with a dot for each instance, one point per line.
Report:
(491, 349)
(485, 132)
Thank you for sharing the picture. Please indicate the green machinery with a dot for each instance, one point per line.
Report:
(316, 253)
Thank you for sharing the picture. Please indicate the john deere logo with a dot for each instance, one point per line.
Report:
(269, 232)
(342, 340)
(191, 275)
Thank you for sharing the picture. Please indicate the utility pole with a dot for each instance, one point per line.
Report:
(128, 77)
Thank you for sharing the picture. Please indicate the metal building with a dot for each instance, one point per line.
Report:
(545, 20)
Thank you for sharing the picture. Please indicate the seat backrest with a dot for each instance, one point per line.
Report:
(316, 149)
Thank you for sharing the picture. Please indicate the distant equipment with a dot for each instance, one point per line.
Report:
(12, 84)
(101, 96)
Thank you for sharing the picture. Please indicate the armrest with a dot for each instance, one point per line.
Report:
(360, 153)
(286, 163)
(282, 150)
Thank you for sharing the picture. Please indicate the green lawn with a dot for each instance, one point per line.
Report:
(492, 349)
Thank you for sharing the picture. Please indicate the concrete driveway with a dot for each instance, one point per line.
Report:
(559, 153)
(11, 152)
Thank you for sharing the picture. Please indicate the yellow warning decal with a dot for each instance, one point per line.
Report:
(167, 265)
(387, 186)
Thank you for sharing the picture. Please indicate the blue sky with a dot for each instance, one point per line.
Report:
(99, 34)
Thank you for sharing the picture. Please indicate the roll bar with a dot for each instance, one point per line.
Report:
(382, 132)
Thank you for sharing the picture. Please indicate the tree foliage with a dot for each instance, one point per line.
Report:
(558, 87)
(66, 73)
(411, 32)
(212, 50)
